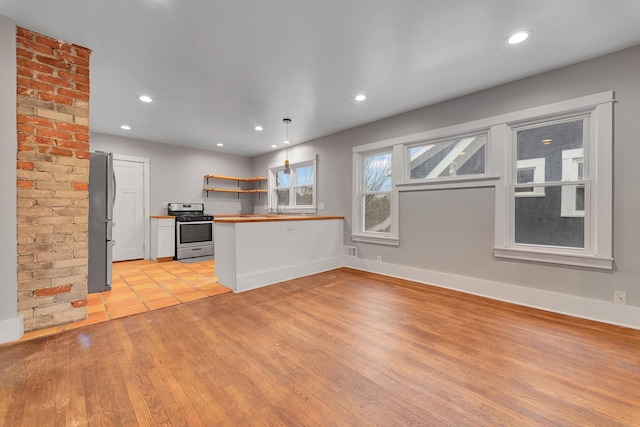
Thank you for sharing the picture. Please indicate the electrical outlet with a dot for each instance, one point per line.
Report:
(620, 297)
(321, 206)
(379, 258)
(239, 208)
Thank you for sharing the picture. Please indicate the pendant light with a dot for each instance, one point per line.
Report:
(287, 170)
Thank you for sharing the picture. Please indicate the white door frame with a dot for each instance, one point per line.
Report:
(145, 190)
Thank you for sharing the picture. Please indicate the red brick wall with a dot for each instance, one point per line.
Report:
(53, 175)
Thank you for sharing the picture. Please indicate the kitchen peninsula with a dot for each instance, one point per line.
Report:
(253, 251)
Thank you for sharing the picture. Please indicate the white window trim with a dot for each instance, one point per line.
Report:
(598, 191)
(497, 158)
(271, 180)
(538, 166)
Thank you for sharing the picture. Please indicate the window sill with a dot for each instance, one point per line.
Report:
(286, 210)
(580, 260)
(380, 240)
(444, 183)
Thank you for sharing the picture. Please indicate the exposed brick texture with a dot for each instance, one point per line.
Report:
(52, 179)
(45, 292)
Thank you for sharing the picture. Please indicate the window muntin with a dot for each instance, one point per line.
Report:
(458, 156)
(550, 154)
(376, 192)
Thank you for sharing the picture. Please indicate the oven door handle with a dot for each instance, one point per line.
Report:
(193, 222)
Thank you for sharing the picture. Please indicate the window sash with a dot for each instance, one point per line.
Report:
(461, 147)
(364, 192)
(568, 183)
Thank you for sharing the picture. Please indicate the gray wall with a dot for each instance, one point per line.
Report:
(177, 173)
(453, 230)
(8, 149)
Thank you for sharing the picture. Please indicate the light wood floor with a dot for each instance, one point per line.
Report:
(144, 285)
(339, 348)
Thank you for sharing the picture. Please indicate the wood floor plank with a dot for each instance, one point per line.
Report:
(142, 391)
(23, 407)
(338, 348)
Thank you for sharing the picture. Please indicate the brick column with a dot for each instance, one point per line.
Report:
(53, 176)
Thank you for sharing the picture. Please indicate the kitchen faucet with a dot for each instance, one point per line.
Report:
(277, 203)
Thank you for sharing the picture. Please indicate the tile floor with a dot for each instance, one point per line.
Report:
(144, 285)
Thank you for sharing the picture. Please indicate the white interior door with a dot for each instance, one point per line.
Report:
(128, 211)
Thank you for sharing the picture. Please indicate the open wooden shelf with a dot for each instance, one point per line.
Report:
(235, 178)
(235, 190)
(238, 190)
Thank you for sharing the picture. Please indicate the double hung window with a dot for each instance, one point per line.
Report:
(376, 192)
(293, 192)
(375, 203)
(546, 178)
(557, 202)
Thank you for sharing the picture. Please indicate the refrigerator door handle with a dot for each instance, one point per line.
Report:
(115, 186)
(109, 261)
(110, 225)
(111, 186)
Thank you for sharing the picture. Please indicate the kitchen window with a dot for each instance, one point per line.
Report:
(293, 192)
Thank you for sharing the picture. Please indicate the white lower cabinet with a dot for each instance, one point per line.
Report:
(163, 238)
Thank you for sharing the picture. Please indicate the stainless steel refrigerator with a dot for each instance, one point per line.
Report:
(102, 194)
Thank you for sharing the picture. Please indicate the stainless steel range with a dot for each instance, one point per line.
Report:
(194, 230)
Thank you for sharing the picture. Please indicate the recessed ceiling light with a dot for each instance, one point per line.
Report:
(360, 97)
(286, 142)
(518, 37)
(125, 127)
(220, 145)
(274, 146)
(145, 98)
(258, 128)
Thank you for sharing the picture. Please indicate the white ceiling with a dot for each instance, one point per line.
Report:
(217, 68)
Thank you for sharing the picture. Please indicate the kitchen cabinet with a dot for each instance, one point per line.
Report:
(254, 185)
(163, 238)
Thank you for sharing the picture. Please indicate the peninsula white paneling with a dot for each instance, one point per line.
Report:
(255, 254)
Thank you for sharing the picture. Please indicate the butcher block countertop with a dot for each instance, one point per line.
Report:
(162, 217)
(269, 218)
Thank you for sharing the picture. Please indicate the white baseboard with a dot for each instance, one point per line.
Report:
(251, 281)
(11, 329)
(585, 308)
